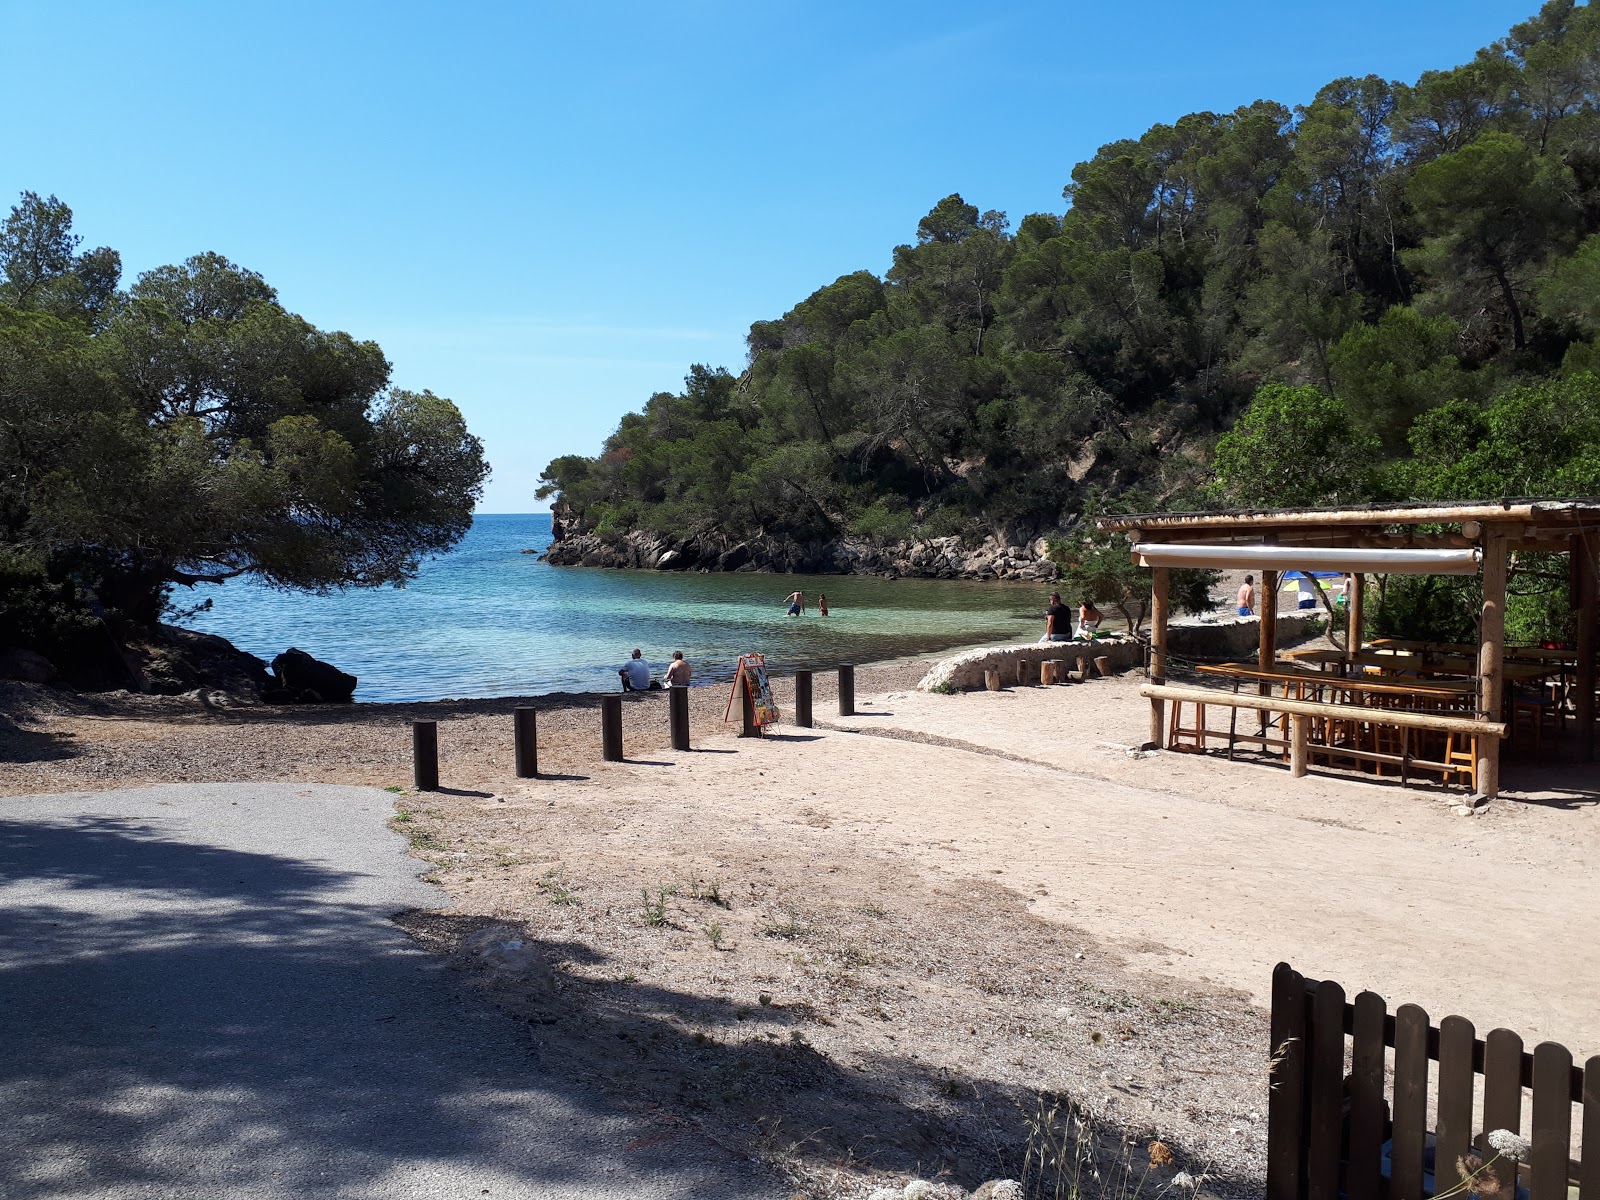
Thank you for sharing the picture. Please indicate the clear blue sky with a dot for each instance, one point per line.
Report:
(547, 212)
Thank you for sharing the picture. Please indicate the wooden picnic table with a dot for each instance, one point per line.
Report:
(1511, 653)
(1399, 662)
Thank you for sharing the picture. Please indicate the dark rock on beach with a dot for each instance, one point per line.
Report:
(301, 679)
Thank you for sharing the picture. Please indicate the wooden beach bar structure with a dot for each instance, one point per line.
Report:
(1385, 704)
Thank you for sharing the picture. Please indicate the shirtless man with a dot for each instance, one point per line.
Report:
(678, 672)
(796, 602)
(1247, 596)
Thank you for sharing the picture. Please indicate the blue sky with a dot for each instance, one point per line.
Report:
(547, 212)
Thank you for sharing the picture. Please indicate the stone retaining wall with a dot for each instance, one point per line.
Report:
(1217, 638)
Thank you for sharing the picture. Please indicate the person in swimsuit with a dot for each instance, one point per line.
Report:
(822, 603)
(1089, 618)
(1247, 595)
(796, 602)
(678, 673)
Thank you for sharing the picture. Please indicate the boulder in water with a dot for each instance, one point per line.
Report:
(301, 679)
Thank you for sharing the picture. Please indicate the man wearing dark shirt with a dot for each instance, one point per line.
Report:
(1057, 621)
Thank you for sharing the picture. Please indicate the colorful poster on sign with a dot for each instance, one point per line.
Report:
(752, 674)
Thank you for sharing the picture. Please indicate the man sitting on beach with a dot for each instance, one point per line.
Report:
(678, 671)
(636, 674)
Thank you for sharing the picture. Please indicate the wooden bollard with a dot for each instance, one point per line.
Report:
(991, 680)
(1299, 744)
(1102, 667)
(1083, 670)
(802, 699)
(678, 716)
(747, 705)
(847, 690)
(425, 756)
(1023, 669)
(1062, 674)
(1049, 671)
(525, 737)
(611, 728)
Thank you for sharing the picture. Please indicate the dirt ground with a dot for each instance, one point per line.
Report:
(866, 951)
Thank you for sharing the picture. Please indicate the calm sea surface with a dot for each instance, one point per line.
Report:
(488, 620)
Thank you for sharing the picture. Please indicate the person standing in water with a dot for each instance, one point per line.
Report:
(796, 602)
(822, 603)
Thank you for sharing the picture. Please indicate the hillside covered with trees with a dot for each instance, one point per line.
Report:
(1391, 291)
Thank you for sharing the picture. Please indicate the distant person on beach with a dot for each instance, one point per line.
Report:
(822, 603)
(1057, 621)
(636, 674)
(1089, 618)
(1247, 596)
(796, 602)
(678, 671)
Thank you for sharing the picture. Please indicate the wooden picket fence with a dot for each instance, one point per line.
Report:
(1334, 1130)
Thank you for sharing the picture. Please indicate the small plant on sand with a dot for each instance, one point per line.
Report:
(554, 888)
(945, 688)
(404, 815)
(789, 928)
(713, 932)
(1069, 1156)
(396, 788)
(655, 908)
(711, 893)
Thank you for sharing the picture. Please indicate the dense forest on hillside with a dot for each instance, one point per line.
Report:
(1391, 291)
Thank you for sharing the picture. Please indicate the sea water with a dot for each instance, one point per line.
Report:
(488, 619)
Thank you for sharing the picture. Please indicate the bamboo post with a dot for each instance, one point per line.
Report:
(847, 690)
(1355, 617)
(611, 728)
(425, 756)
(1587, 614)
(1491, 655)
(1299, 744)
(802, 699)
(525, 738)
(678, 715)
(1158, 653)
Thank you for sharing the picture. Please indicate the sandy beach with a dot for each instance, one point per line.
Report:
(864, 951)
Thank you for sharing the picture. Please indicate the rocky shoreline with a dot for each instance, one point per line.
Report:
(932, 558)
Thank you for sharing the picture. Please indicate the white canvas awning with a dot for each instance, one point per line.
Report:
(1307, 558)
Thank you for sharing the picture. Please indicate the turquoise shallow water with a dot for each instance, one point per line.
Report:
(488, 620)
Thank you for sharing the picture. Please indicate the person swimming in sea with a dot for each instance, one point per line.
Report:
(822, 603)
(796, 602)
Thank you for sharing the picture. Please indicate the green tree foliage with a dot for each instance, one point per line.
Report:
(191, 429)
(1335, 279)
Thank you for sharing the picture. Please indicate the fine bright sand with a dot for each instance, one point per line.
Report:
(863, 951)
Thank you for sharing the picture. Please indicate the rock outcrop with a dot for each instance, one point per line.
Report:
(934, 558)
(301, 679)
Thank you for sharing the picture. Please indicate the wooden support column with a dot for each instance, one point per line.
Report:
(1586, 615)
(1158, 654)
(1299, 744)
(1491, 655)
(1355, 616)
(1267, 647)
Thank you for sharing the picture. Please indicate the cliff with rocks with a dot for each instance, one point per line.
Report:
(930, 558)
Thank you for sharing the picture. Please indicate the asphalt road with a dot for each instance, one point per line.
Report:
(201, 995)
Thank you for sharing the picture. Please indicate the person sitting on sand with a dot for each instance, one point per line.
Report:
(1057, 621)
(636, 674)
(1089, 619)
(678, 671)
(822, 603)
(796, 602)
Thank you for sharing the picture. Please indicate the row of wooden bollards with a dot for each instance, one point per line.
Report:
(1051, 670)
(525, 728)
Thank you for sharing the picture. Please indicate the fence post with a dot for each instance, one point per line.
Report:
(847, 690)
(611, 728)
(425, 755)
(525, 737)
(802, 699)
(1286, 1090)
(678, 716)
